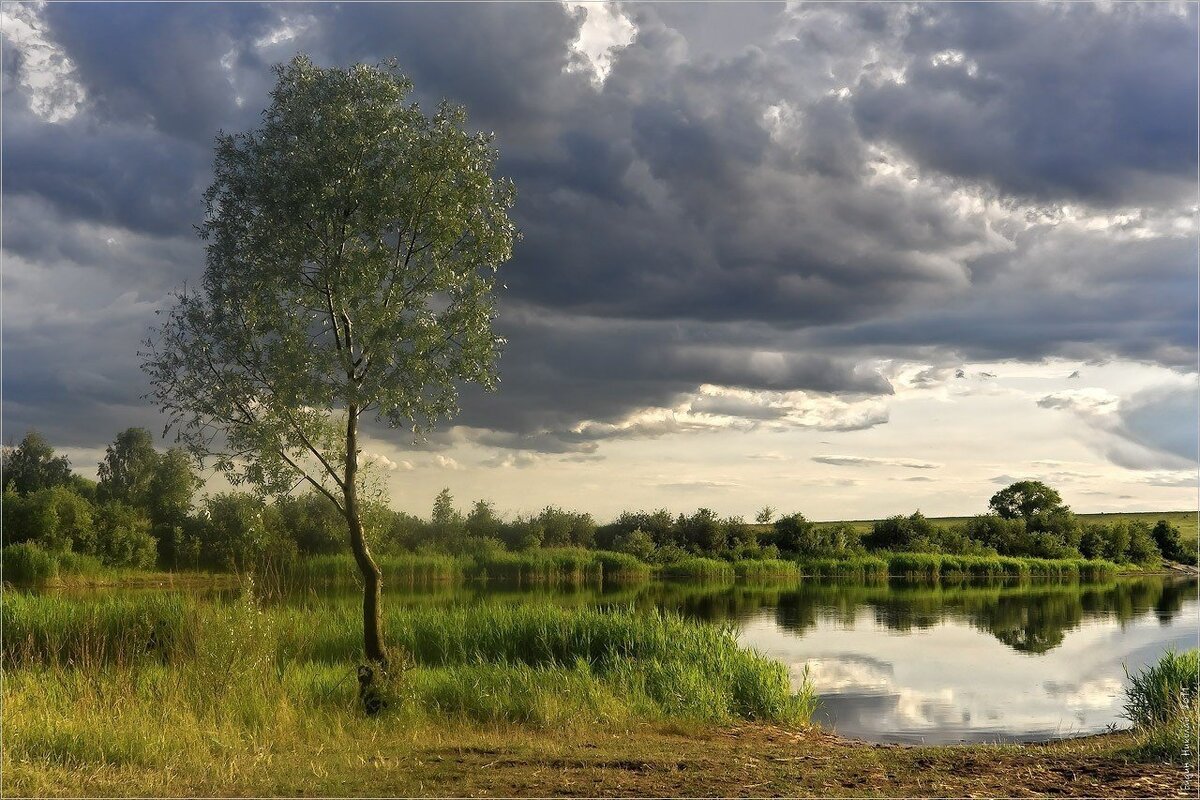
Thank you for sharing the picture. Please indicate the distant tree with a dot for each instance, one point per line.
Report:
(32, 465)
(128, 468)
(312, 522)
(240, 532)
(352, 244)
(702, 532)
(1025, 500)
(446, 523)
(765, 516)
(482, 521)
(172, 486)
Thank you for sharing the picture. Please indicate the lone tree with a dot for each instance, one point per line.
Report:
(1025, 500)
(352, 246)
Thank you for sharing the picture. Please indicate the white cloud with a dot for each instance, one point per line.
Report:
(46, 72)
(604, 32)
(866, 461)
(383, 461)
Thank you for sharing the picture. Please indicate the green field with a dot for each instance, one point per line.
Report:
(1186, 521)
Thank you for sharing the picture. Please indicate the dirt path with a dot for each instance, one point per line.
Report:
(648, 761)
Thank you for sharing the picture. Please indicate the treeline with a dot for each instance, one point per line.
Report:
(142, 512)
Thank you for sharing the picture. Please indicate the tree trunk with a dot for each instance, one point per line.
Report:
(371, 574)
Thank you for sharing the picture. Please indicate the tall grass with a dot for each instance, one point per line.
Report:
(25, 562)
(404, 569)
(485, 663)
(1161, 701)
(113, 629)
(862, 568)
(558, 565)
(942, 566)
(550, 566)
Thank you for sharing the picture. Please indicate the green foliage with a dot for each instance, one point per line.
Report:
(796, 535)
(1025, 500)
(1169, 543)
(1161, 702)
(913, 532)
(128, 468)
(123, 536)
(858, 567)
(636, 543)
(352, 244)
(239, 534)
(562, 528)
(32, 465)
(312, 522)
(110, 629)
(529, 664)
(482, 521)
(27, 563)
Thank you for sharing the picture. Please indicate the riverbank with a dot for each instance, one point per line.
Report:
(579, 566)
(652, 760)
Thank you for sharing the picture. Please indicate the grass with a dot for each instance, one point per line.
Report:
(698, 569)
(862, 568)
(376, 758)
(1161, 702)
(53, 630)
(525, 664)
(550, 566)
(939, 566)
(767, 570)
(405, 569)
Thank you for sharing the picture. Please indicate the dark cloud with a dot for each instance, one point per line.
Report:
(1049, 101)
(749, 200)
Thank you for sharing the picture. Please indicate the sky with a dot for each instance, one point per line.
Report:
(846, 259)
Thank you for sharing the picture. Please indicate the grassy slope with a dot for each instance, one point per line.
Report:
(647, 761)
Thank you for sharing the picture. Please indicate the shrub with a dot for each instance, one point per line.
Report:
(899, 533)
(636, 543)
(1167, 540)
(123, 537)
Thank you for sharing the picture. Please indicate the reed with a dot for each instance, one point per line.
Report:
(862, 568)
(1161, 701)
(27, 563)
(113, 629)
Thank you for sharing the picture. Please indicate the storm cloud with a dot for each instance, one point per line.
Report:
(739, 223)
